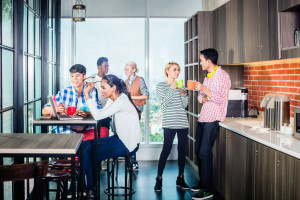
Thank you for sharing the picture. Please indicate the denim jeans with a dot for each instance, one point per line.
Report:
(205, 138)
(108, 147)
(169, 135)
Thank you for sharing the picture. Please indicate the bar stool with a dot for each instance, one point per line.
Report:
(128, 191)
(59, 172)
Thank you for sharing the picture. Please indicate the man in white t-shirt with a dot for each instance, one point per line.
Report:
(102, 65)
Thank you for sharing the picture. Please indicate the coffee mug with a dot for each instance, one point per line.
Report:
(84, 108)
(71, 110)
(191, 85)
(179, 83)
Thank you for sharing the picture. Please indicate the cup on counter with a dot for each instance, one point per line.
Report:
(71, 110)
(191, 85)
(179, 83)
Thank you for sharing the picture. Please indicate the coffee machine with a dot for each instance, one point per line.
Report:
(238, 102)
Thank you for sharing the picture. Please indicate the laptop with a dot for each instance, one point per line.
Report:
(61, 117)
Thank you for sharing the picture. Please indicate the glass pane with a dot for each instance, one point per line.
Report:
(38, 113)
(50, 45)
(30, 117)
(54, 79)
(30, 32)
(7, 23)
(38, 7)
(53, 15)
(54, 47)
(8, 121)
(30, 78)
(25, 77)
(166, 44)
(30, 3)
(7, 78)
(50, 79)
(65, 58)
(50, 13)
(25, 119)
(38, 78)
(37, 36)
(25, 29)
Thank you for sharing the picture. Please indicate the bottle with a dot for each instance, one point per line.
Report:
(297, 38)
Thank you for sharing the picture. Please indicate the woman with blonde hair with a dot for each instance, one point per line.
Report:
(173, 104)
(138, 91)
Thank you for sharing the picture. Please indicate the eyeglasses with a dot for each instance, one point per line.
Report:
(90, 79)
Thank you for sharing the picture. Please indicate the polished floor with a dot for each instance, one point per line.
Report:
(145, 181)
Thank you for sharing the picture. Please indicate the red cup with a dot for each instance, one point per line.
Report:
(71, 110)
(191, 85)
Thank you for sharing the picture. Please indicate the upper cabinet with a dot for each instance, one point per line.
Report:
(246, 31)
(289, 12)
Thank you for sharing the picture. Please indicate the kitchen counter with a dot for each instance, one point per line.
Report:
(278, 141)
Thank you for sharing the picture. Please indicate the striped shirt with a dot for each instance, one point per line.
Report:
(215, 108)
(173, 106)
(69, 97)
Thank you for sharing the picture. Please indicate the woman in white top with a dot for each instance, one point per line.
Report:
(128, 130)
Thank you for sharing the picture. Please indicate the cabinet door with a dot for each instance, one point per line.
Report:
(235, 167)
(268, 30)
(250, 168)
(287, 177)
(251, 31)
(264, 172)
(219, 163)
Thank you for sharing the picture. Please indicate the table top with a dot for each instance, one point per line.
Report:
(33, 143)
(85, 121)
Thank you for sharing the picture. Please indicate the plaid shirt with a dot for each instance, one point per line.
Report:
(69, 97)
(215, 108)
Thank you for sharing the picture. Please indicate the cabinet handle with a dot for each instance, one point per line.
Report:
(261, 47)
(278, 162)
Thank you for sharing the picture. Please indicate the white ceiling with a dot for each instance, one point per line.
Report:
(135, 8)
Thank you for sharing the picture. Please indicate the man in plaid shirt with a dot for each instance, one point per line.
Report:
(73, 96)
(213, 94)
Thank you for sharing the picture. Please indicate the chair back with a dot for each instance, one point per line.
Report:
(20, 172)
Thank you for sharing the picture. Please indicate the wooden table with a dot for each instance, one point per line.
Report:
(41, 145)
(90, 121)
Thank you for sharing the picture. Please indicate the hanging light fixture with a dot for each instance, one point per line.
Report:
(78, 11)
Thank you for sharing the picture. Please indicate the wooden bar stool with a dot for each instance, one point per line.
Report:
(127, 190)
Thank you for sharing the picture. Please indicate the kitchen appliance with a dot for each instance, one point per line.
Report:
(238, 102)
(297, 122)
(277, 110)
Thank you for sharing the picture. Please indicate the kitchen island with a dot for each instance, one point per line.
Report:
(255, 163)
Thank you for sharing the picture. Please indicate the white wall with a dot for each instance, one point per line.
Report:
(134, 8)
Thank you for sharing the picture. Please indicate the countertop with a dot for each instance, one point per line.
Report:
(276, 140)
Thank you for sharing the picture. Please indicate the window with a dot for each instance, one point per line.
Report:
(32, 63)
(166, 44)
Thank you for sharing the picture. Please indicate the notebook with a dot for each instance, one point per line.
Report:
(61, 117)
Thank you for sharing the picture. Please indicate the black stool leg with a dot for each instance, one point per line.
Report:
(126, 171)
(108, 178)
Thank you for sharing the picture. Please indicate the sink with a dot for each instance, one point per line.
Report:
(249, 122)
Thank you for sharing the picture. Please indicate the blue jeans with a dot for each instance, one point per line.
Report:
(107, 147)
(205, 138)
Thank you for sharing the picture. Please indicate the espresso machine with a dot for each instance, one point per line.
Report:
(238, 102)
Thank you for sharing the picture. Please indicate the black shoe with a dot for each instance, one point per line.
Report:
(196, 188)
(158, 184)
(181, 183)
(90, 195)
(203, 195)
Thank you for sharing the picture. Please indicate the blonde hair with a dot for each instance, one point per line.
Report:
(169, 65)
(133, 65)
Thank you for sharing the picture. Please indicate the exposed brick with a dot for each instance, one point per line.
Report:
(277, 66)
(294, 65)
(260, 72)
(263, 67)
(294, 90)
(247, 82)
(274, 77)
(260, 93)
(274, 83)
(291, 114)
(263, 88)
(291, 96)
(281, 83)
(297, 71)
(255, 92)
(294, 77)
(284, 77)
(285, 65)
(253, 73)
(290, 71)
(290, 83)
(246, 68)
(270, 66)
(257, 67)
(247, 73)
(297, 96)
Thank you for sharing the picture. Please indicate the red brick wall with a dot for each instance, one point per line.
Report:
(281, 77)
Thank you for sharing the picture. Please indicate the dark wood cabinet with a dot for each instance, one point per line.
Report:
(287, 177)
(264, 172)
(235, 166)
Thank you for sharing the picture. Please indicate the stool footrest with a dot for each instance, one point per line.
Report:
(129, 191)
